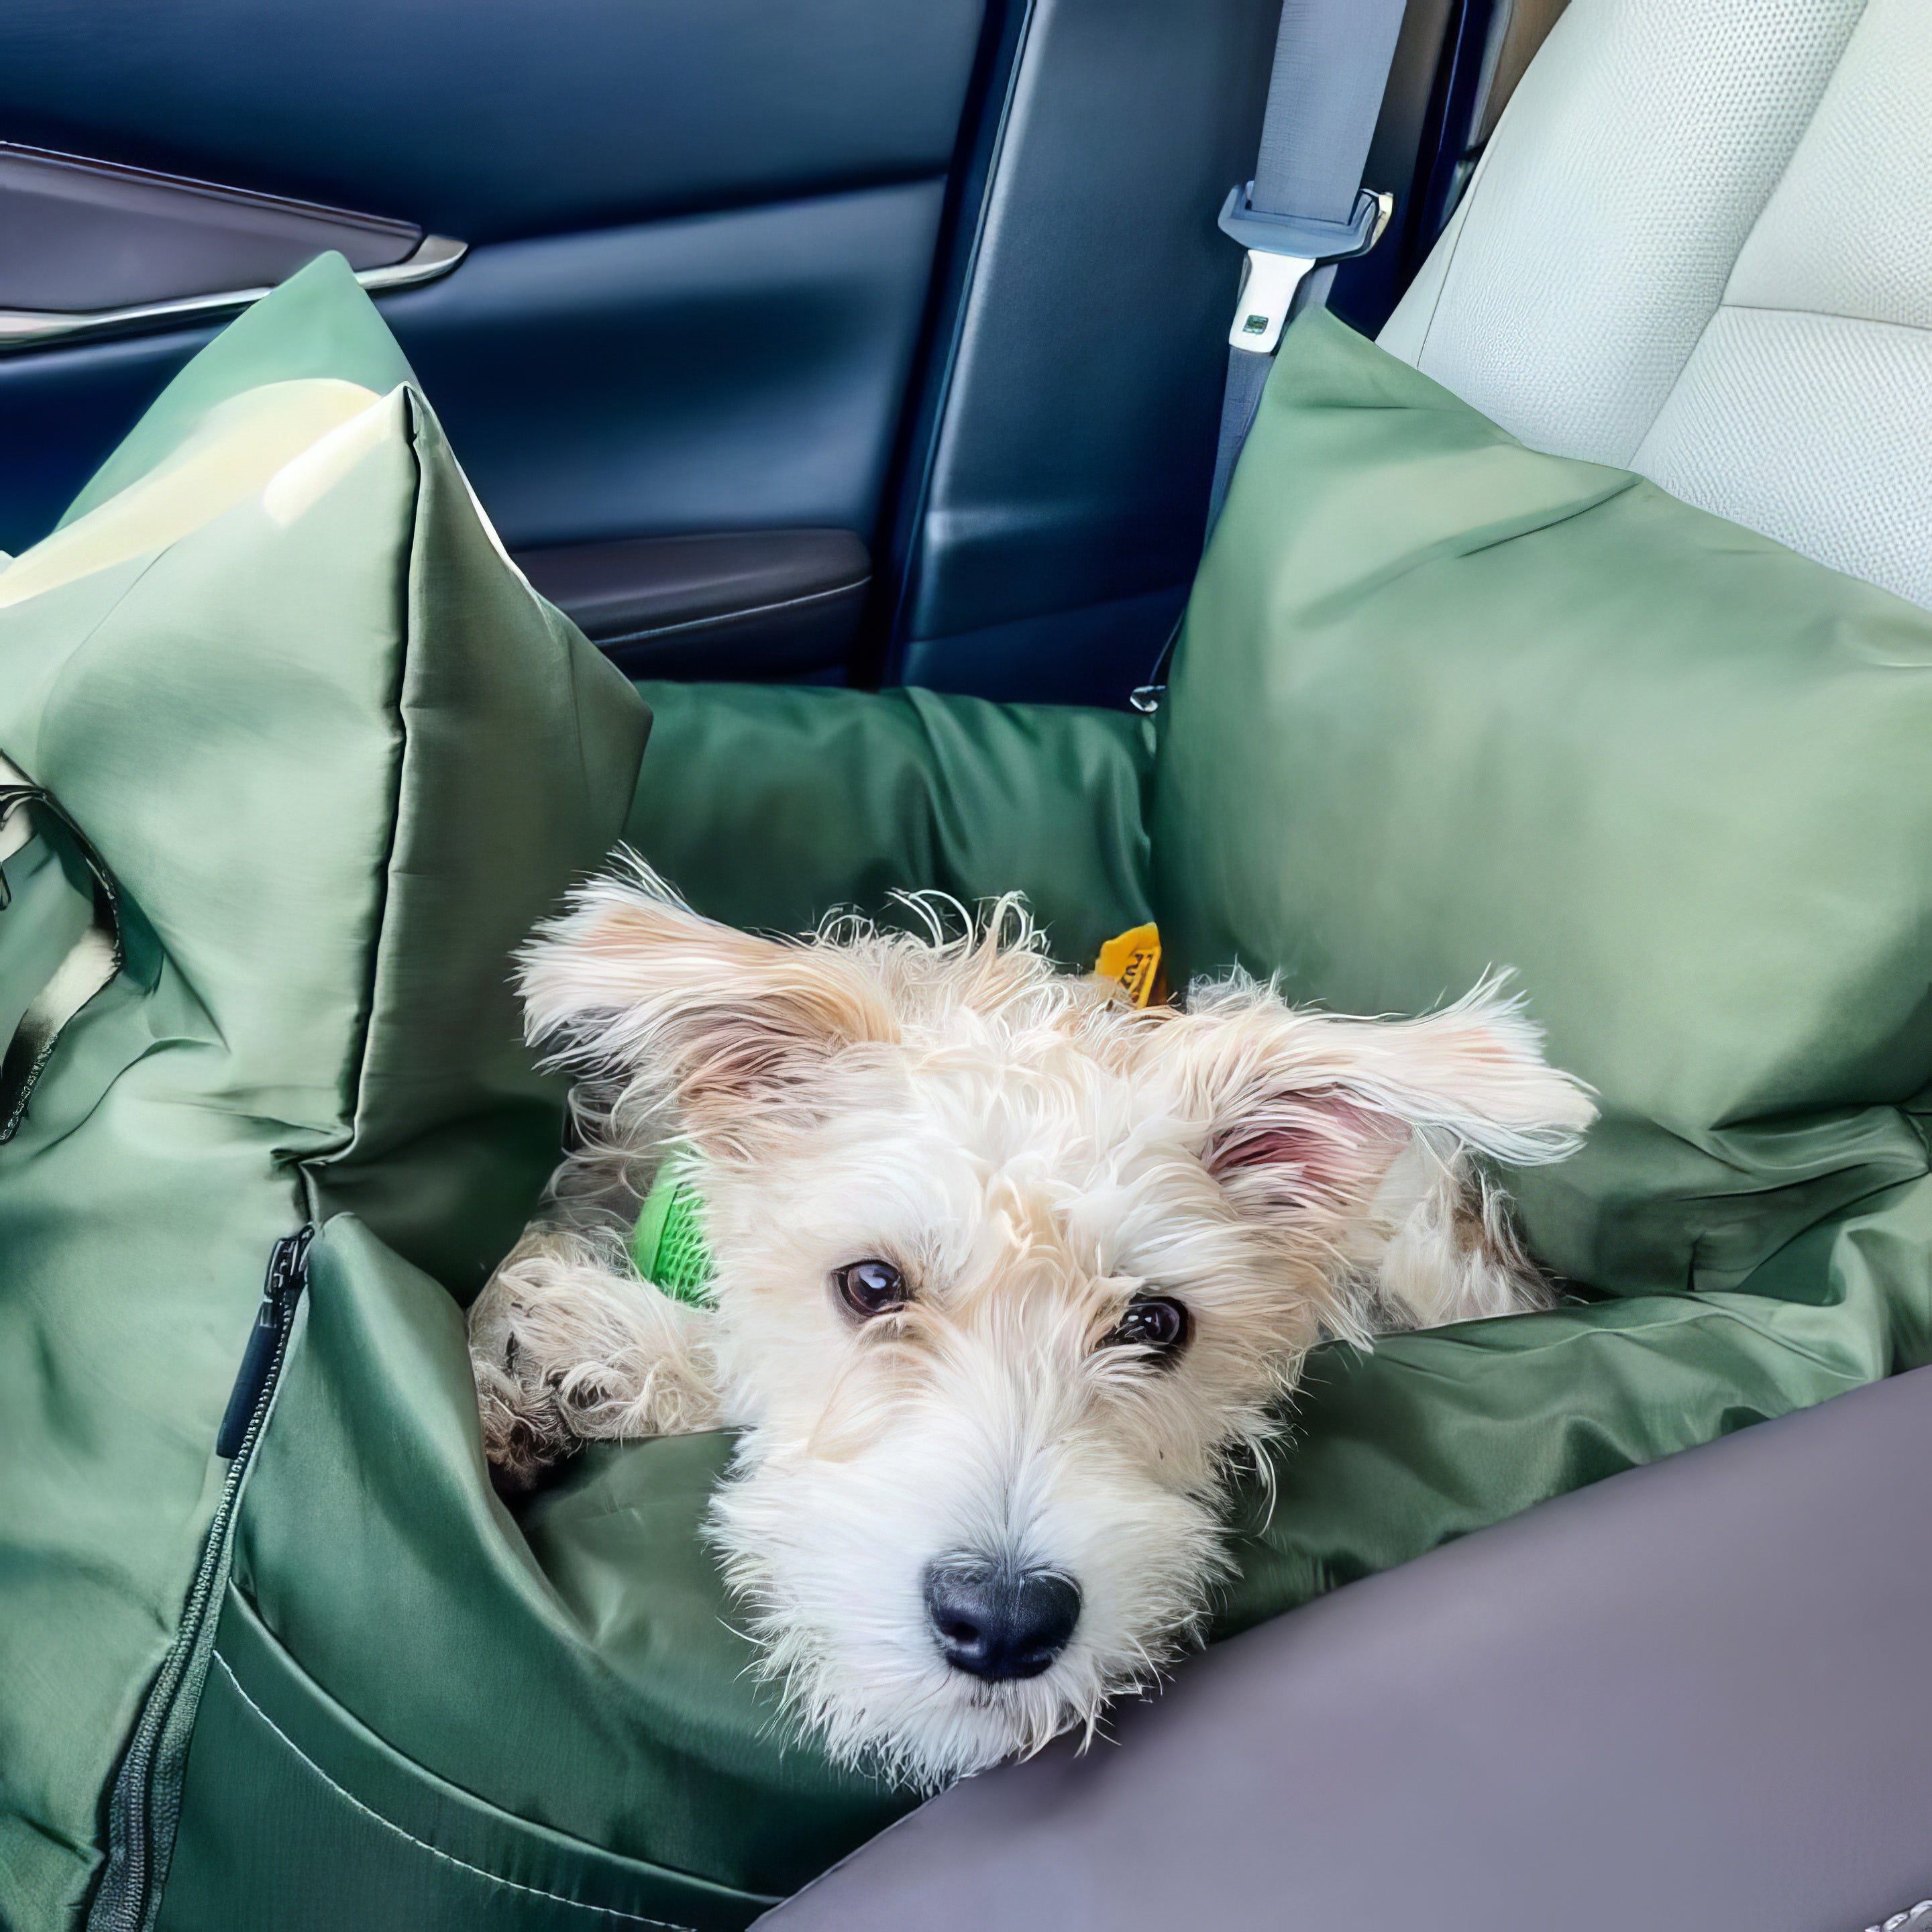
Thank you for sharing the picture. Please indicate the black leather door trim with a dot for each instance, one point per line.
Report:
(83, 235)
(735, 603)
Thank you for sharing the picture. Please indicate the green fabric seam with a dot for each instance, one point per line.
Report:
(435, 1851)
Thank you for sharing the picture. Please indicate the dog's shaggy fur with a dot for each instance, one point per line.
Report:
(1033, 1155)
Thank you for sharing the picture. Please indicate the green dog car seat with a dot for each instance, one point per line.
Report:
(274, 1653)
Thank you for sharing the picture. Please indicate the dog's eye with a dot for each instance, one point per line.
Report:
(871, 1287)
(1154, 1322)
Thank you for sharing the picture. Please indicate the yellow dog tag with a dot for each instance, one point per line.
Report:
(1133, 958)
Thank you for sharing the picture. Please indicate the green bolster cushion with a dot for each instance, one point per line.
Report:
(769, 808)
(1444, 703)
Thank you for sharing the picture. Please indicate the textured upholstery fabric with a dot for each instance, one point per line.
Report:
(1699, 246)
(1848, 231)
(1816, 430)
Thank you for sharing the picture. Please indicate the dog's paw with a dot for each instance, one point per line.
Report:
(524, 1431)
(568, 1346)
(1450, 1250)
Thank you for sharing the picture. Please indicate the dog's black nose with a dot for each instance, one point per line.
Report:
(998, 1622)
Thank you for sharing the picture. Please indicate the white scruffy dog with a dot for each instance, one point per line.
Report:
(1007, 1272)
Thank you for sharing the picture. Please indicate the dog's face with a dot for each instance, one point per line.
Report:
(1007, 1272)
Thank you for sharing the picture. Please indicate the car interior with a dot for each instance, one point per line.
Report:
(865, 343)
(856, 378)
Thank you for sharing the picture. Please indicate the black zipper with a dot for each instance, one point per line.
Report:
(122, 1903)
(288, 1266)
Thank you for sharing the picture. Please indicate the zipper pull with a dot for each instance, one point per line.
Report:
(288, 1271)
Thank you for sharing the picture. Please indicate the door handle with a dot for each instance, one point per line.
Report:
(434, 256)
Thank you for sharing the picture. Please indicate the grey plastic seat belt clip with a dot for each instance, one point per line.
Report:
(1281, 249)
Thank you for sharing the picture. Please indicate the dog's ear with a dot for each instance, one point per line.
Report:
(1305, 1112)
(631, 983)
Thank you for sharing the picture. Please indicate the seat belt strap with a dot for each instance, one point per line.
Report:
(1305, 210)
(1306, 207)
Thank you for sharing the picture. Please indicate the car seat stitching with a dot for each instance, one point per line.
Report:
(1776, 181)
(1822, 315)
(389, 1825)
(1462, 228)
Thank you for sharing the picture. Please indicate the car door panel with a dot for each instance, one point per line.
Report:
(701, 241)
(736, 370)
(943, 277)
(739, 370)
(492, 120)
